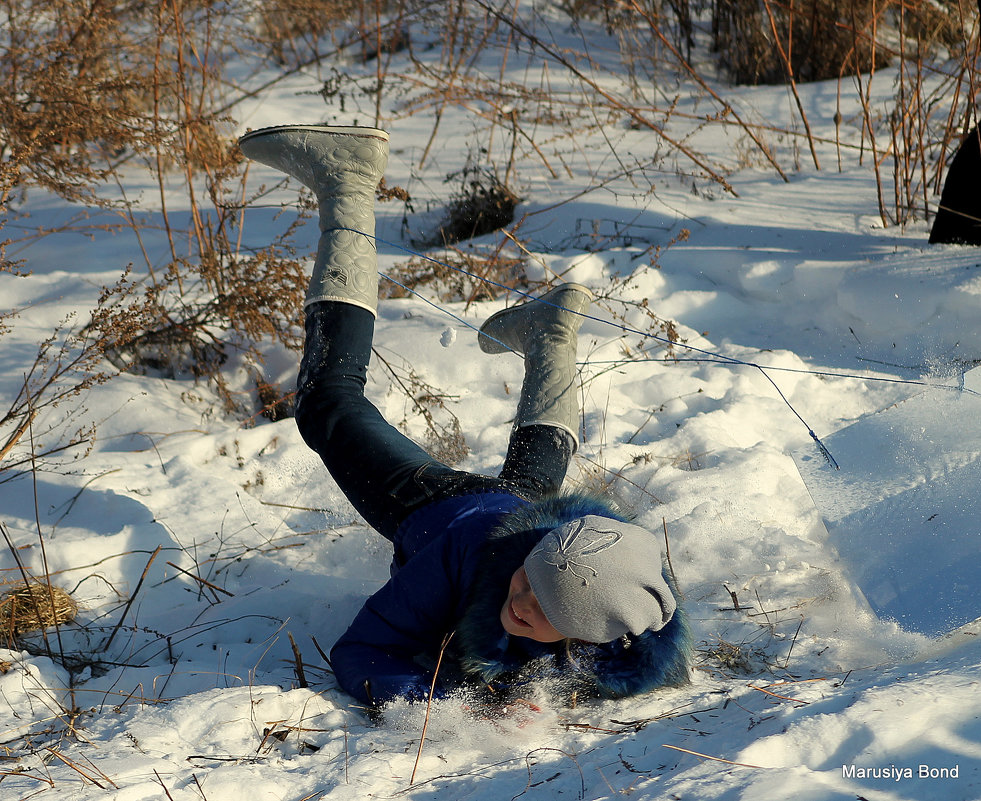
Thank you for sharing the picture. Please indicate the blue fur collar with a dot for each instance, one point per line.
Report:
(624, 667)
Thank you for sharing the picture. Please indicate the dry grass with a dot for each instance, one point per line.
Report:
(28, 608)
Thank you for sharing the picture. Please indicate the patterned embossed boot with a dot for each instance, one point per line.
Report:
(545, 331)
(342, 165)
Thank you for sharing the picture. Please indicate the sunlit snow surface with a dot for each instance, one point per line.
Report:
(902, 506)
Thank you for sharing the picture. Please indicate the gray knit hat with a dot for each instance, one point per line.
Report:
(597, 578)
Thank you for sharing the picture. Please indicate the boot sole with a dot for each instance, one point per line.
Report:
(343, 130)
(489, 345)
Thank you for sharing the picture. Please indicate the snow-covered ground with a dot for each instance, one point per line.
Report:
(231, 540)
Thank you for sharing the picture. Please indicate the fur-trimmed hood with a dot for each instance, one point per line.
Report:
(626, 666)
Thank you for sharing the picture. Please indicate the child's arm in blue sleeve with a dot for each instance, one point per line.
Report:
(374, 660)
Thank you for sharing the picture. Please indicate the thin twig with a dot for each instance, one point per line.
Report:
(321, 652)
(13, 552)
(429, 705)
(790, 77)
(160, 781)
(714, 759)
(300, 675)
(20, 775)
(765, 613)
(18, 433)
(132, 598)
(793, 643)
(205, 582)
(40, 535)
(76, 768)
(294, 506)
(735, 599)
(777, 695)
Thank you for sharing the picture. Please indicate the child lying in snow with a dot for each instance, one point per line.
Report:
(533, 584)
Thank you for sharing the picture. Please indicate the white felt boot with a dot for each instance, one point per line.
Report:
(342, 165)
(545, 331)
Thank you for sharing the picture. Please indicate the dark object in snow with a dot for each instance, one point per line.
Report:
(958, 219)
(484, 204)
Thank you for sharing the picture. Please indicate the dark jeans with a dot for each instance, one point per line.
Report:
(384, 474)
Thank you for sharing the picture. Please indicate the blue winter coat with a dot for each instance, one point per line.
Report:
(450, 574)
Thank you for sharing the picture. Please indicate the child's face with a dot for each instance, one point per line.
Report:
(522, 616)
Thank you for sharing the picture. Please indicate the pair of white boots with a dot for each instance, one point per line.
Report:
(343, 166)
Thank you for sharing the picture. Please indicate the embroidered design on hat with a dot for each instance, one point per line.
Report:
(565, 549)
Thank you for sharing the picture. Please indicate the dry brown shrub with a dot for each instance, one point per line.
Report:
(292, 29)
(482, 204)
(628, 18)
(276, 402)
(443, 434)
(823, 39)
(939, 23)
(71, 93)
(286, 25)
(89, 89)
(458, 275)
